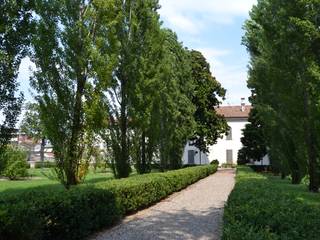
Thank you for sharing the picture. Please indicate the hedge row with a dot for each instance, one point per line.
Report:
(77, 213)
(267, 208)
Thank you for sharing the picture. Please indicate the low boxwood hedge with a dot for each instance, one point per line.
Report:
(264, 207)
(45, 164)
(75, 214)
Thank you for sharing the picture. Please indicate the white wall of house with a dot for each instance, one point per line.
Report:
(265, 161)
(219, 150)
(191, 155)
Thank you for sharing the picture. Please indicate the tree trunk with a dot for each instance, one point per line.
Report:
(150, 150)
(143, 153)
(74, 152)
(311, 147)
(43, 143)
(122, 165)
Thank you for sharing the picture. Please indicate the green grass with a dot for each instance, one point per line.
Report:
(43, 178)
(266, 207)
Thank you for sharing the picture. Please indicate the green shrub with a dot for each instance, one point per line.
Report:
(75, 214)
(265, 207)
(228, 165)
(143, 190)
(15, 164)
(64, 214)
(215, 162)
(45, 164)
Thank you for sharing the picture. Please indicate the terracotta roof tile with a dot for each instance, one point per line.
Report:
(234, 111)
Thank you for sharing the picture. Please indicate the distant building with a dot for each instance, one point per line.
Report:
(32, 148)
(226, 149)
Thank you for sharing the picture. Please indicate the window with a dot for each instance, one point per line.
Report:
(229, 156)
(229, 134)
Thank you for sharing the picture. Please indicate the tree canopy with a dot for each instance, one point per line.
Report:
(283, 40)
(15, 28)
(107, 71)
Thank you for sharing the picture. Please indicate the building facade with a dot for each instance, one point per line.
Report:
(226, 149)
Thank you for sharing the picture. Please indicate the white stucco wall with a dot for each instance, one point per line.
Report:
(265, 161)
(219, 150)
(204, 156)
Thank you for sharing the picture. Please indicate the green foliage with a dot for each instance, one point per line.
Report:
(45, 164)
(143, 190)
(74, 214)
(174, 107)
(31, 122)
(253, 140)
(265, 207)
(284, 76)
(15, 163)
(215, 162)
(209, 125)
(72, 49)
(14, 39)
(228, 165)
(44, 214)
(136, 31)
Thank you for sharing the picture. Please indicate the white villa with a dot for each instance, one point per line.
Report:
(226, 149)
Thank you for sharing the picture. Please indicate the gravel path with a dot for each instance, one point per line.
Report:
(194, 213)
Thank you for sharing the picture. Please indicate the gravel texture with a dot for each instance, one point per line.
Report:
(193, 213)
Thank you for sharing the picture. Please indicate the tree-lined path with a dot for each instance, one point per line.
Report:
(194, 213)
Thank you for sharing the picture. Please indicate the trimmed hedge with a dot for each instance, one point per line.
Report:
(75, 214)
(143, 190)
(45, 164)
(264, 207)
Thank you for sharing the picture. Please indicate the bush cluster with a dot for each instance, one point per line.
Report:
(215, 162)
(13, 163)
(267, 208)
(143, 190)
(75, 214)
(45, 164)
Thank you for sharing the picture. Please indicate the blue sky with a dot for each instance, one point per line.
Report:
(213, 27)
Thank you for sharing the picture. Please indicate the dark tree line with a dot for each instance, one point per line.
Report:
(283, 40)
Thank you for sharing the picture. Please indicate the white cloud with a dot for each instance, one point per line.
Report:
(232, 77)
(212, 55)
(194, 15)
(193, 19)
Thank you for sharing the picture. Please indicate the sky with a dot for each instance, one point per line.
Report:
(213, 27)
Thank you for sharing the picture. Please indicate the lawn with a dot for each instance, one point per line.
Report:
(42, 178)
(266, 207)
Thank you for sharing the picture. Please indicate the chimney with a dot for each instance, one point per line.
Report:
(243, 105)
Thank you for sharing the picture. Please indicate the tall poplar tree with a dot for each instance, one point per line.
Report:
(176, 121)
(72, 49)
(15, 25)
(283, 40)
(206, 97)
(139, 23)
